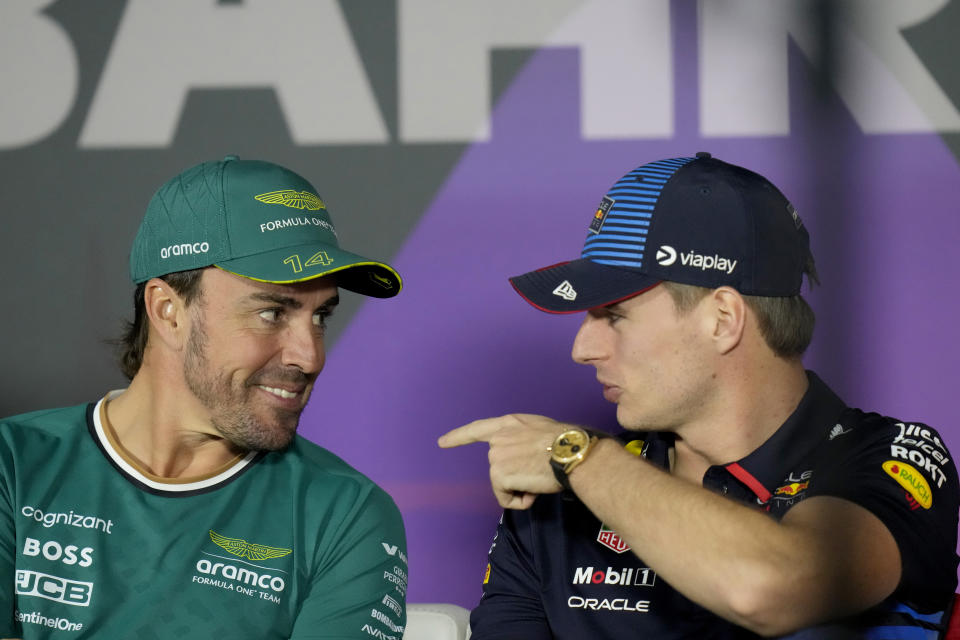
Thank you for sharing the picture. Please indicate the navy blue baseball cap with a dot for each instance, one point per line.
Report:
(697, 221)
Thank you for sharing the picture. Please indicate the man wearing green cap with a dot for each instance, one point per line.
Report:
(186, 505)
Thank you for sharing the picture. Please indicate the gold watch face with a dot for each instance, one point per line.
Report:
(569, 446)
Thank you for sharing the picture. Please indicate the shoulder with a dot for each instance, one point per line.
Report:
(858, 431)
(47, 423)
(320, 471)
(313, 459)
(874, 451)
(43, 417)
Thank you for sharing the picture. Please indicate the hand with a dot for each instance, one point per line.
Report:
(519, 454)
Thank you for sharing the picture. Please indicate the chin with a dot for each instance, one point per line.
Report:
(631, 422)
(277, 438)
(271, 442)
(263, 433)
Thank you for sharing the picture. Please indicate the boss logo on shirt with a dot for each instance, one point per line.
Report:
(54, 551)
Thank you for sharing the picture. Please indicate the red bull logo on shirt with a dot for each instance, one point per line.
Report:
(792, 489)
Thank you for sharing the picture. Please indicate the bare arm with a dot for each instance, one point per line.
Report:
(827, 558)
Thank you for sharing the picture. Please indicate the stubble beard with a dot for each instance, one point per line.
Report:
(229, 407)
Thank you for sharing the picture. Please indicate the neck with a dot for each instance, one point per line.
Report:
(747, 411)
(164, 435)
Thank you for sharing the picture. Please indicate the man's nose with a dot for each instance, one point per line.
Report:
(588, 345)
(304, 348)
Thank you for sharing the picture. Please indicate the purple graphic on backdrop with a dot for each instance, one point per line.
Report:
(458, 344)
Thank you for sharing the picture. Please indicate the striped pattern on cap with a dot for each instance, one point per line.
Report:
(622, 237)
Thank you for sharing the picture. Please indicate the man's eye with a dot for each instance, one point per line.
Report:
(270, 315)
(320, 319)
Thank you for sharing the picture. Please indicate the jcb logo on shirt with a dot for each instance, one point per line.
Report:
(41, 585)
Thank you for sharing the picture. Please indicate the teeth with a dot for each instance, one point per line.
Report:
(278, 392)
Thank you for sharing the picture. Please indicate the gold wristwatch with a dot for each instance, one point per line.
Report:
(567, 451)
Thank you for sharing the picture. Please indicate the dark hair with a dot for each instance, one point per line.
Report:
(131, 345)
(786, 324)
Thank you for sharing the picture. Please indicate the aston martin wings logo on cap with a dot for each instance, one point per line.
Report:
(244, 549)
(293, 199)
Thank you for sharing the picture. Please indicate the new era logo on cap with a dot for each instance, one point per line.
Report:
(566, 291)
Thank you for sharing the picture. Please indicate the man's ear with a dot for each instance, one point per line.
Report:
(166, 311)
(728, 317)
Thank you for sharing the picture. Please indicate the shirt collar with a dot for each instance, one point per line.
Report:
(763, 469)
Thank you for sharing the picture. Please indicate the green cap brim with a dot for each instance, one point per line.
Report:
(289, 265)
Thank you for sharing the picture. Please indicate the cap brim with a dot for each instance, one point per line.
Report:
(307, 262)
(580, 285)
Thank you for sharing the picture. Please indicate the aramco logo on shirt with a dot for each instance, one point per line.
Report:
(293, 199)
(611, 540)
(262, 582)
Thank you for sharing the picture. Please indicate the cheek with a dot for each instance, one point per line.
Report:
(242, 356)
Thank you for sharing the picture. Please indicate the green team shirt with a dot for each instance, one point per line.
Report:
(295, 544)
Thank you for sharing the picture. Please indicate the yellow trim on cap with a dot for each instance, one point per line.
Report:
(320, 275)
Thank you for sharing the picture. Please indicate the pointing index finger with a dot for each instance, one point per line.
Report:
(476, 431)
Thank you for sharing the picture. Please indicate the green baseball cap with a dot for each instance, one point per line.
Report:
(252, 218)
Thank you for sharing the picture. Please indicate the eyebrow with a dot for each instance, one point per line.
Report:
(610, 308)
(292, 303)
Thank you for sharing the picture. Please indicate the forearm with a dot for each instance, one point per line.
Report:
(736, 561)
(827, 558)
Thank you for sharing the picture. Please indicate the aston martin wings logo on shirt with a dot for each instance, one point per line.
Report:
(293, 199)
(244, 549)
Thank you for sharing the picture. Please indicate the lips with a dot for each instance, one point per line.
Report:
(280, 393)
(611, 392)
(287, 387)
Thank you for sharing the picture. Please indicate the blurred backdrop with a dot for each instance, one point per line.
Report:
(466, 142)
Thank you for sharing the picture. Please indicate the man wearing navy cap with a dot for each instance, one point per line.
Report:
(186, 506)
(744, 496)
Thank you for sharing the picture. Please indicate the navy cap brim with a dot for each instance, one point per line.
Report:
(580, 285)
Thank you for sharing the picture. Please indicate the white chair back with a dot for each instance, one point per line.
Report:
(437, 622)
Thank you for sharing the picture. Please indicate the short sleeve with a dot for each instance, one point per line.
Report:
(511, 607)
(359, 587)
(902, 473)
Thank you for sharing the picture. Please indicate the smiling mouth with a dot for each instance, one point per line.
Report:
(280, 393)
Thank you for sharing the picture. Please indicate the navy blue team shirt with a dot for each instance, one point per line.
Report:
(556, 571)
